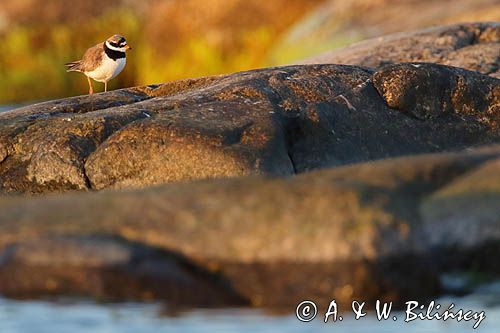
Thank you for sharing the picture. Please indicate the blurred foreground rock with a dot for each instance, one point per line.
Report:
(384, 229)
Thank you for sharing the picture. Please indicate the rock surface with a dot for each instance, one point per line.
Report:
(474, 46)
(369, 231)
(386, 229)
(339, 23)
(277, 122)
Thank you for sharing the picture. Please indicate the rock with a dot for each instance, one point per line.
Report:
(336, 24)
(277, 121)
(46, 148)
(466, 206)
(359, 231)
(108, 268)
(3, 153)
(474, 46)
(405, 87)
(467, 212)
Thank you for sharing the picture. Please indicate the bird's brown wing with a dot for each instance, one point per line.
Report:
(92, 58)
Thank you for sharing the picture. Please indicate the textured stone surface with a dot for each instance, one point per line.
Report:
(277, 121)
(474, 46)
(385, 229)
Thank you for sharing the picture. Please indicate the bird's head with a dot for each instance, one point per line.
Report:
(117, 43)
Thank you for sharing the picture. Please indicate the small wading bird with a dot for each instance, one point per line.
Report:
(102, 62)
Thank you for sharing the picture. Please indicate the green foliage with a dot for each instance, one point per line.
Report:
(32, 57)
(287, 52)
(198, 57)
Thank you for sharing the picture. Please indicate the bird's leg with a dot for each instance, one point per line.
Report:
(91, 91)
(105, 86)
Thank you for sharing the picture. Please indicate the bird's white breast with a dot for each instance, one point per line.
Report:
(108, 69)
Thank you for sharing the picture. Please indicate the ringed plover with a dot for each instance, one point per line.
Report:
(102, 62)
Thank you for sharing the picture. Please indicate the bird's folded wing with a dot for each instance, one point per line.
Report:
(92, 57)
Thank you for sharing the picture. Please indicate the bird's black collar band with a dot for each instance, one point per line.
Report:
(112, 53)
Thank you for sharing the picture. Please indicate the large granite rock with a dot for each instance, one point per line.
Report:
(386, 229)
(378, 230)
(277, 121)
(474, 46)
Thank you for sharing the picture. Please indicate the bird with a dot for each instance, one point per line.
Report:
(103, 61)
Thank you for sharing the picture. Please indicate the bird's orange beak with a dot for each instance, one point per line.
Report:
(127, 47)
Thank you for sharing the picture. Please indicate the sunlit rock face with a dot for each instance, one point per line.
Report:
(472, 46)
(260, 188)
(277, 122)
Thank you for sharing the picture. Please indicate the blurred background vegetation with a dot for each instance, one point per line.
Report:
(174, 39)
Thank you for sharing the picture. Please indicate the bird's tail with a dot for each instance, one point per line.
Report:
(74, 66)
